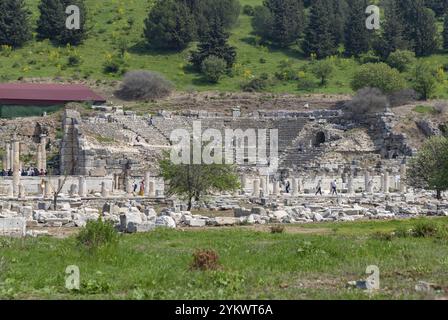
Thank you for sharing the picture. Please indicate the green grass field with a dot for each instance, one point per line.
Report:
(108, 20)
(307, 262)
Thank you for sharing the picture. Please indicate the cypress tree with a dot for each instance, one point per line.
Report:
(340, 9)
(52, 19)
(214, 43)
(393, 37)
(356, 34)
(445, 32)
(425, 32)
(319, 34)
(14, 23)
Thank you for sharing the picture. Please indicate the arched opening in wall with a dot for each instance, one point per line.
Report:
(319, 139)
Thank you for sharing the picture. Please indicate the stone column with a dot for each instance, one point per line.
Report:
(82, 187)
(276, 188)
(48, 189)
(16, 167)
(386, 182)
(243, 182)
(152, 189)
(7, 160)
(295, 187)
(383, 188)
(403, 171)
(43, 152)
(265, 185)
(128, 185)
(104, 191)
(147, 183)
(350, 184)
(366, 180)
(256, 191)
(22, 192)
(39, 158)
(11, 156)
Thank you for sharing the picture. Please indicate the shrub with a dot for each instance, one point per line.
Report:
(369, 57)
(141, 85)
(257, 84)
(425, 83)
(368, 100)
(248, 10)
(384, 236)
(425, 229)
(401, 60)
(73, 60)
(402, 232)
(97, 233)
(277, 229)
(114, 64)
(306, 83)
(213, 68)
(378, 75)
(322, 70)
(205, 260)
(402, 97)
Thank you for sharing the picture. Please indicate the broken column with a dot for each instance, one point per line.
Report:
(43, 152)
(16, 167)
(264, 185)
(366, 181)
(256, 191)
(243, 182)
(147, 183)
(295, 187)
(152, 189)
(82, 187)
(48, 189)
(402, 182)
(7, 157)
(104, 191)
(276, 188)
(350, 184)
(386, 182)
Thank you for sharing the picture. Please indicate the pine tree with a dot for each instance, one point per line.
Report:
(393, 37)
(356, 34)
(14, 23)
(445, 32)
(214, 43)
(52, 20)
(340, 9)
(425, 32)
(170, 25)
(319, 34)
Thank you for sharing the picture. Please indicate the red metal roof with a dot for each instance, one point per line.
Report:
(32, 93)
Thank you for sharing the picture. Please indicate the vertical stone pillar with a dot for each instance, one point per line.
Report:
(43, 152)
(276, 188)
(265, 185)
(403, 172)
(48, 189)
(16, 167)
(128, 185)
(350, 184)
(147, 183)
(39, 158)
(11, 156)
(82, 187)
(243, 182)
(295, 187)
(256, 191)
(383, 188)
(366, 180)
(152, 189)
(386, 182)
(104, 191)
(7, 160)
(22, 191)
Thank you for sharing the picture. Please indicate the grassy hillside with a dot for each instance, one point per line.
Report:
(108, 21)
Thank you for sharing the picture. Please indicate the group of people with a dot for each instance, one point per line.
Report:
(333, 187)
(141, 190)
(30, 172)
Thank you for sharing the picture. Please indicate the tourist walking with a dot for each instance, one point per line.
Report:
(319, 187)
(334, 188)
(288, 186)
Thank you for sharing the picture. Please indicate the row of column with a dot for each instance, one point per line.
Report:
(11, 150)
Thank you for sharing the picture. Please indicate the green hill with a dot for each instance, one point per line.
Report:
(108, 21)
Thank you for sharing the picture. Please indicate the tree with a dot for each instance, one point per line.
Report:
(319, 34)
(193, 181)
(393, 37)
(52, 22)
(213, 68)
(424, 81)
(378, 75)
(429, 168)
(14, 23)
(401, 60)
(170, 25)
(445, 32)
(214, 43)
(339, 16)
(322, 69)
(425, 33)
(368, 100)
(280, 21)
(144, 85)
(356, 33)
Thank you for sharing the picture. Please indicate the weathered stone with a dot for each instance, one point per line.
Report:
(13, 227)
(165, 221)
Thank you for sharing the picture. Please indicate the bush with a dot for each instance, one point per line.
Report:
(368, 100)
(73, 60)
(248, 10)
(378, 75)
(277, 229)
(402, 97)
(205, 260)
(322, 70)
(401, 60)
(97, 233)
(114, 65)
(369, 57)
(257, 84)
(142, 85)
(425, 229)
(213, 68)
(306, 83)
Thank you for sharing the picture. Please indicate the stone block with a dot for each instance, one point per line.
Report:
(12, 227)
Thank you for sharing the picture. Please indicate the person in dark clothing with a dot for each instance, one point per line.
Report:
(288, 186)
(319, 188)
(10, 173)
